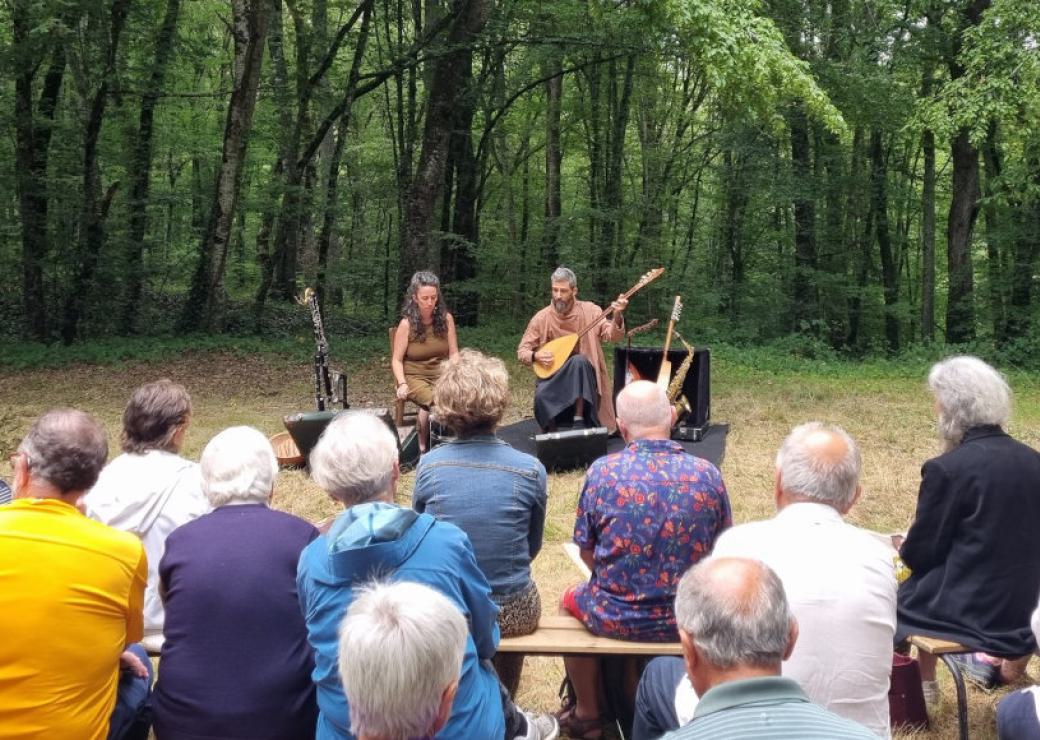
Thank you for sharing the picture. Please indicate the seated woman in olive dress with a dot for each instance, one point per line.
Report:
(424, 339)
(492, 492)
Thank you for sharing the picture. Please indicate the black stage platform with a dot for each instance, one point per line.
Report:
(712, 448)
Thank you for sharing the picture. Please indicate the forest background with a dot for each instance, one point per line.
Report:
(863, 176)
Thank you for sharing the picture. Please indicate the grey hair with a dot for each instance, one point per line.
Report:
(807, 472)
(643, 407)
(969, 393)
(400, 646)
(747, 624)
(354, 459)
(66, 448)
(564, 274)
(238, 467)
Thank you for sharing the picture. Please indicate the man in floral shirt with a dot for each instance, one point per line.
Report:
(645, 515)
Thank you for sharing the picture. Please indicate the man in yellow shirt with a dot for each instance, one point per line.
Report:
(71, 592)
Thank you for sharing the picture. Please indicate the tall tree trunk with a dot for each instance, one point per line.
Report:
(141, 167)
(928, 238)
(1027, 246)
(889, 268)
(964, 209)
(95, 205)
(804, 284)
(550, 256)
(32, 151)
(249, 28)
(613, 194)
(447, 76)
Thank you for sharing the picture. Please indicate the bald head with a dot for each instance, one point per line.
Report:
(65, 449)
(736, 613)
(643, 411)
(819, 463)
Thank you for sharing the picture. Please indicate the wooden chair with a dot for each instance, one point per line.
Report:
(401, 416)
(944, 650)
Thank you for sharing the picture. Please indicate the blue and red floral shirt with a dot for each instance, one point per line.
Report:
(648, 512)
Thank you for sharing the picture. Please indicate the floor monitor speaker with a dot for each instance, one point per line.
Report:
(575, 448)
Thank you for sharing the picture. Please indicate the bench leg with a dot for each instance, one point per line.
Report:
(962, 694)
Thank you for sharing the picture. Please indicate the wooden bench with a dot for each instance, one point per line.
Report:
(565, 635)
(944, 649)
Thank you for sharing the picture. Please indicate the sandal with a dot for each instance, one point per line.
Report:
(978, 670)
(579, 729)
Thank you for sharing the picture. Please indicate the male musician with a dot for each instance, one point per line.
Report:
(581, 383)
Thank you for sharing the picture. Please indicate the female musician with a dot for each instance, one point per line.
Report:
(424, 338)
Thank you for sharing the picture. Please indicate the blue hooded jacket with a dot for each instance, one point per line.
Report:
(380, 540)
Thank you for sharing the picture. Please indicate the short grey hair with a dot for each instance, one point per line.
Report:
(643, 407)
(564, 274)
(66, 448)
(400, 646)
(742, 623)
(238, 467)
(808, 472)
(354, 459)
(970, 393)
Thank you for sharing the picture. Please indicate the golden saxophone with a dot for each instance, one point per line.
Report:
(675, 395)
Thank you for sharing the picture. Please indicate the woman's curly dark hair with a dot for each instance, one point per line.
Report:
(410, 309)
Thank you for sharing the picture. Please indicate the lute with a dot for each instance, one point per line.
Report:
(562, 347)
(664, 375)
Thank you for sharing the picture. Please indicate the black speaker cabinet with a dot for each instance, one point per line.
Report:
(575, 448)
(306, 427)
(696, 387)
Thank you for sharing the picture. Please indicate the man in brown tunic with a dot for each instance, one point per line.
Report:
(582, 382)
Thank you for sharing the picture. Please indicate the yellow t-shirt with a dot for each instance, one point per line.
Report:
(71, 598)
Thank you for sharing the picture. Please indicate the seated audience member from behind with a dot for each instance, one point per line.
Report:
(150, 490)
(71, 592)
(235, 661)
(400, 654)
(840, 584)
(736, 628)
(493, 493)
(972, 549)
(644, 515)
(355, 462)
(1018, 714)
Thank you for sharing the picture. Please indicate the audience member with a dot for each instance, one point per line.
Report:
(493, 493)
(644, 515)
(400, 654)
(972, 549)
(71, 593)
(736, 628)
(839, 580)
(150, 490)
(1018, 714)
(355, 462)
(235, 661)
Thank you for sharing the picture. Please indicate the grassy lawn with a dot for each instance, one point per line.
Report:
(884, 406)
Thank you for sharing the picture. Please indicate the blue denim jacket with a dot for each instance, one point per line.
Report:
(494, 494)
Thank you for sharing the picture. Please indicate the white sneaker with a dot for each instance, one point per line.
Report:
(540, 727)
(932, 695)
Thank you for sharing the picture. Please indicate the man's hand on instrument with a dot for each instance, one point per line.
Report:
(543, 358)
(620, 304)
(402, 391)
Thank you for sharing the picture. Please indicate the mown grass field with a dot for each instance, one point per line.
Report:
(883, 405)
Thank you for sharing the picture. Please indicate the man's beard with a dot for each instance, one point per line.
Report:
(562, 306)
